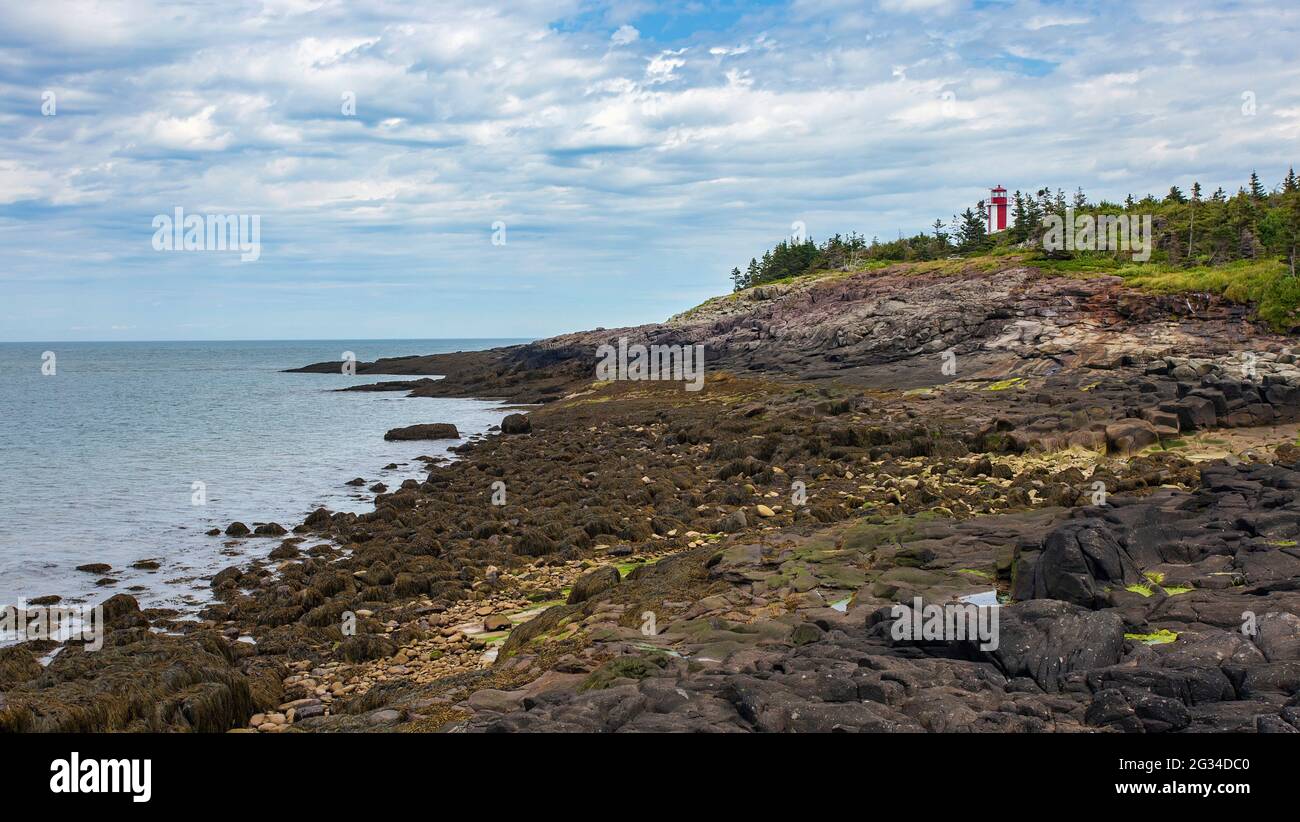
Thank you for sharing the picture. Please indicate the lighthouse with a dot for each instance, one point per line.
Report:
(997, 209)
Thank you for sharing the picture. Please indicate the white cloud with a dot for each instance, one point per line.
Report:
(663, 65)
(197, 132)
(672, 156)
(1047, 21)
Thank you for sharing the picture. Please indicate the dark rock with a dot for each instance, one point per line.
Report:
(226, 577)
(366, 647)
(516, 424)
(123, 611)
(429, 431)
(285, 550)
(1130, 436)
(1046, 639)
(1078, 561)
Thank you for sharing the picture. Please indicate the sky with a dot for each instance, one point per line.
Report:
(527, 168)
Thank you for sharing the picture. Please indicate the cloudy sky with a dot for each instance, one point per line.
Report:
(635, 151)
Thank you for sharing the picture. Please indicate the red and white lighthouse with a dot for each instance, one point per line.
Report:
(997, 207)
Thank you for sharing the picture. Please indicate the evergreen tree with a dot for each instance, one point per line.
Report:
(972, 236)
(940, 236)
(1020, 227)
(1253, 224)
(1191, 222)
(1257, 191)
(1292, 228)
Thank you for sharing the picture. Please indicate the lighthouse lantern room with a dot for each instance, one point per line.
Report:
(997, 209)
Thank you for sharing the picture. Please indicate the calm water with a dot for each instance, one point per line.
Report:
(98, 462)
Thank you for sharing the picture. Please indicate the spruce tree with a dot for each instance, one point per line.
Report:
(1257, 191)
(1020, 226)
(972, 235)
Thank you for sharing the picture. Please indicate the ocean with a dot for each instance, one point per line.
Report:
(131, 451)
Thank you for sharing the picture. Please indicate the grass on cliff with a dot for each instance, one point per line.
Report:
(1264, 284)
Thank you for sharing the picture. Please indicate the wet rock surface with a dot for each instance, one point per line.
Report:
(1105, 468)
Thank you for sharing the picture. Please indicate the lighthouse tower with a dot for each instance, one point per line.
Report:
(997, 209)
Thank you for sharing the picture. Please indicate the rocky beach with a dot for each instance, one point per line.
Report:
(1115, 471)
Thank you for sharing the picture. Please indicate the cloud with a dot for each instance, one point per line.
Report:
(668, 151)
(663, 65)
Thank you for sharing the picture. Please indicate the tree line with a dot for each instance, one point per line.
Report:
(1191, 229)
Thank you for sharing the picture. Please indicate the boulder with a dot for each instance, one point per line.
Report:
(366, 647)
(1128, 436)
(592, 583)
(1193, 413)
(1080, 559)
(495, 700)
(1160, 418)
(426, 431)
(1046, 639)
(516, 424)
(123, 611)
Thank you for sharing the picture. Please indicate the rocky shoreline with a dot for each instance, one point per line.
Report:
(1118, 470)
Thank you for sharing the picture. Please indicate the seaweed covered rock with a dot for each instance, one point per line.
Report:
(592, 583)
(428, 431)
(365, 647)
(138, 681)
(516, 424)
